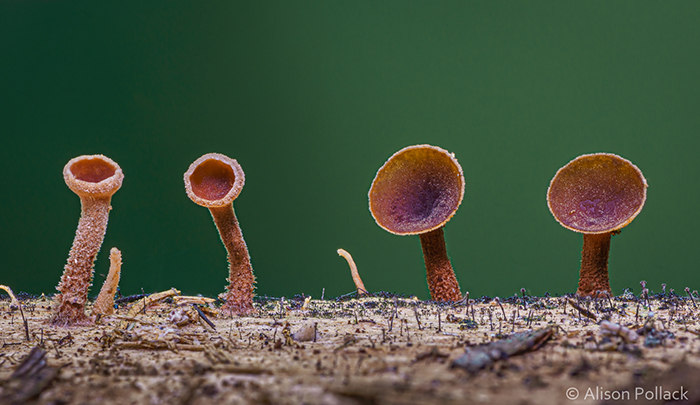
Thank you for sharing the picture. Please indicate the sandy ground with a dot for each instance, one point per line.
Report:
(369, 350)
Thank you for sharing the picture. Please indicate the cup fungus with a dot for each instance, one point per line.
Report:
(596, 195)
(416, 192)
(94, 178)
(214, 181)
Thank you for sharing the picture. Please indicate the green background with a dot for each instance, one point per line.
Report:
(311, 98)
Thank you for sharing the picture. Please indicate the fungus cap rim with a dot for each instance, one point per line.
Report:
(103, 188)
(618, 226)
(231, 195)
(454, 161)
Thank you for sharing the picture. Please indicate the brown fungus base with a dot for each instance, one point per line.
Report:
(239, 295)
(593, 278)
(441, 277)
(78, 273)
(383, 351)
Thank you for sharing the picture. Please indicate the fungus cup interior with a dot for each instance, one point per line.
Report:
(597, 193)
(92, 170)
(212, 180)
(417, 190)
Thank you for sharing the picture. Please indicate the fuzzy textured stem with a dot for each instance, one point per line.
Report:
(594, 264)
(441, 278)
(104, 304)
(239, 298)
(78, 272)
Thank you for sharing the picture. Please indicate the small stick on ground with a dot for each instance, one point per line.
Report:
(692, 299)
(361, 290)
(582, 311)
(415, 311)
(204, 317)
(145, 302)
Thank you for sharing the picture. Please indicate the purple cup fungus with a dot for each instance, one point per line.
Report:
(416, 192)
(214, 181)
(94, 178)
(596, 195)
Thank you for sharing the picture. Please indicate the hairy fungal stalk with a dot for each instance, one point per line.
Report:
(94, 178)
(214, 181)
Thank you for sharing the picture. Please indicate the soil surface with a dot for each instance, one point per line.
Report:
(378, 349)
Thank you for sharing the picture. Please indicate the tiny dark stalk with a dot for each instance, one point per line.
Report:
(692, 299)
(415, 311)
(498, 301)
(24, 321)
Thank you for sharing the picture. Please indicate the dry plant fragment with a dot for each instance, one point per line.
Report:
(353, 270)
(596, 195)
(94, 178)
(416, 192)
(144, 302)
(214, 181)
(188, 309)
(479, 357)
(104, 304)
(14, 304)
(31, 377)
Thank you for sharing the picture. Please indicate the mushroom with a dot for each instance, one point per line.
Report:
(214, 181)
(94, 178)
(596, 195)
(416, 192)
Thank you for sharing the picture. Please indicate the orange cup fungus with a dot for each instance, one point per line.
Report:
(94, 178)
(596, 195)
(416, 192)
(214, 181)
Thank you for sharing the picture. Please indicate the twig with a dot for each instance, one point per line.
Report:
(204, 317)
(581, 310)
(145, 302)
(24, 321)
(158, 346)
(415, 311)
(130, 298)
(692, 299)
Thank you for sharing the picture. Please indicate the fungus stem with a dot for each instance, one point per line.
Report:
(239, 298)
(441, 278)
(78, 273)
(594, 264)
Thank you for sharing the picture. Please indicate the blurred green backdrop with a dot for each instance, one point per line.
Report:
(311, 97)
